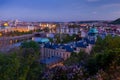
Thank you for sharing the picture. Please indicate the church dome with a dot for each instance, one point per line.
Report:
(93, 31)
(5, 24)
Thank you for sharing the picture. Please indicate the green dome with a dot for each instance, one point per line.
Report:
(93, 31)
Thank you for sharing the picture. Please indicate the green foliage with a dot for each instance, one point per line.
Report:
(38, 30)
(46, 29)
(51, 40)
(30, 44)
(19, 66)
(117, 21)
(9, 66)
(113, 42)
(67, 38)
(103, 60)
(109, 43)
(100, 45)
(57, 37)
(14, 67)
(76, 58)
(34, 72)
(112, 73)
(72, 60)
(104, 64)
(106, 52)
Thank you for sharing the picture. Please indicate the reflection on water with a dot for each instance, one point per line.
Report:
(16, 44)
(40, 40)
(36, 39)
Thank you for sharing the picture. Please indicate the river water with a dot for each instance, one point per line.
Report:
(36, 39)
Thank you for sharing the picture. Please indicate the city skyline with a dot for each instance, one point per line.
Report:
(59, 10)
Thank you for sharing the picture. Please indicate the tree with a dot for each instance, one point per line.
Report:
(30, 44)
(30, 52)
(106, 44)
(103, 60)
(21, 65)
(76, 58)
(9, 67)
(46, 29)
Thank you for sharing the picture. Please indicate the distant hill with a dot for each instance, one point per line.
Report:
(117, 21)
(83, 22)
(90, 21)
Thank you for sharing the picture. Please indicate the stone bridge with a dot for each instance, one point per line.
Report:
(6, 41)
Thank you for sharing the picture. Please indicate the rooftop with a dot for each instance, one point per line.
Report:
(93, 30)
(70, 47)
(40, 40)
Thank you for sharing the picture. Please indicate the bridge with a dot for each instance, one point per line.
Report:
(39, 34)
(6, 41)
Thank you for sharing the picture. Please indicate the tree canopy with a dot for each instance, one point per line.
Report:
(21, 65)
(117, 21)
(30, 44)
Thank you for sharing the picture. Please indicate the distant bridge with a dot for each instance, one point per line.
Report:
(39, 34)
(6, 41)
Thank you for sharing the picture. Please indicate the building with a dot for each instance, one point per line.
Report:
(92, 33)
(49, 50)
(63, 51)
(40, 40)
(66, 29)
(52, 62)
(5, 27)
(23, 28)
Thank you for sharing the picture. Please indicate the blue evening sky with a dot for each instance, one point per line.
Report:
(59, 10)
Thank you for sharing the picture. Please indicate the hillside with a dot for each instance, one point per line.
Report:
(117, 21)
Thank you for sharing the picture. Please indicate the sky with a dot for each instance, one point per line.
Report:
(59, 10)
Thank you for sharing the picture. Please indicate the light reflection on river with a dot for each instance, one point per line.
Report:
(19, 43)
